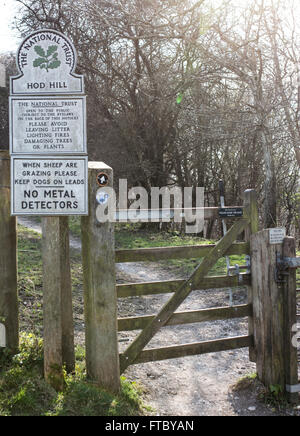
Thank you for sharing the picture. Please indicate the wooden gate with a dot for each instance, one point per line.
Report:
(198, 280)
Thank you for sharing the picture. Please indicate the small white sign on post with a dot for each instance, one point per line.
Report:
(2, 336)
(277, 235)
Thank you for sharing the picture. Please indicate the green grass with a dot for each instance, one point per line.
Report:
(74, 225)
(22, 388)
(30, 285)
(133, 236)
(23, 391)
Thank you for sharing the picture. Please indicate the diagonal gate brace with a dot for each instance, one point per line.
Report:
(132, 352)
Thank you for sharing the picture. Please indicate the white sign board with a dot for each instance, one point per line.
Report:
(2, 76)
(49, 185)
(2, 336)
(46, 60)
(277, 235)
(47, 125)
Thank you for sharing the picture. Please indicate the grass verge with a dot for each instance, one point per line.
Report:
(23, 391)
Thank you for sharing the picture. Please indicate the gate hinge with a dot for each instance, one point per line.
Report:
(248, 263)
(283, 264)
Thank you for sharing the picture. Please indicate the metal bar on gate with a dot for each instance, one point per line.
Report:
(144, 215)
(288, 262)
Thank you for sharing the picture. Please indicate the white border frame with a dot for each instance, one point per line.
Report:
(72, 73)
(47, 213)
(48, 152)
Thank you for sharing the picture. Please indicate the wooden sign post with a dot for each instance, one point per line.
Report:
(100, 295)
(9, 315)
(9, 324)
(49, 169)
(274, 309)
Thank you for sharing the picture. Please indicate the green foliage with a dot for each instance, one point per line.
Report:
(51, 50)
(47, 60)
(245, 382)
(179, 98)
(275, 397)
(40, 51)
(23, 391)
(75, 226)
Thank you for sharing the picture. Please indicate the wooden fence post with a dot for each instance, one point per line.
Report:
(57, 301)
(290, 321)
(9, 314)
(268, 313)
(250, 199)
(100, 298)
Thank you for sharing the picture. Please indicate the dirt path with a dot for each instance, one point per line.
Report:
(34, 225)
(191, 386)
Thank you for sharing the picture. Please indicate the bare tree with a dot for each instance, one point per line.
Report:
(182, 93)
(131, 54)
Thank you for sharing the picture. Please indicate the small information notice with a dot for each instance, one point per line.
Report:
(277, 235)
(49, 186)
(47, 125)
(230, 212)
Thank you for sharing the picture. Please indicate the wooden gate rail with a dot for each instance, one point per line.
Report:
(189, 317)
(169, 286)
(182, 252)
(155, 354)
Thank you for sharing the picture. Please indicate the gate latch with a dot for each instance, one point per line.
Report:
(235, 271)
(284, 263)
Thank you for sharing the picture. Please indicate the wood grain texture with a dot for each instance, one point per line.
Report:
(186, 252)
(169, 286)
(268, 316)
(9, 312)
(100, 297)
(290, 320)
(68, 352)
(52, 303)
(190, 317)
(185, 350)
(250, 200)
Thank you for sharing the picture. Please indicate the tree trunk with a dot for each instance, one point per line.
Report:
(269, 185)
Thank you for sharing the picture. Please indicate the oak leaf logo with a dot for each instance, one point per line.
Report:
(47, 61)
